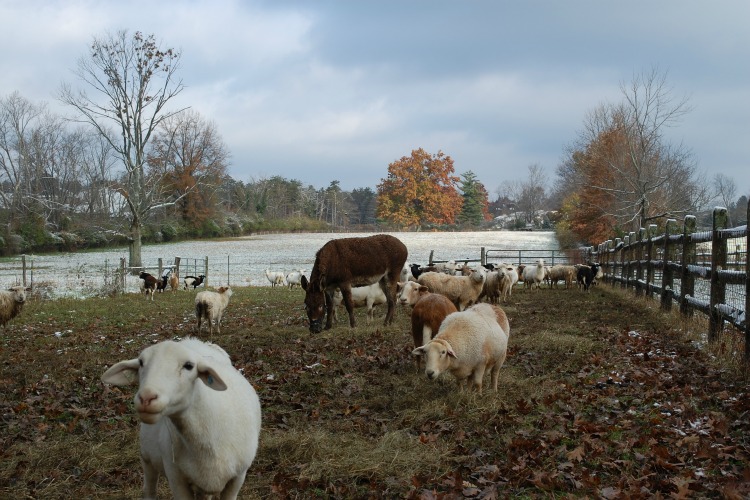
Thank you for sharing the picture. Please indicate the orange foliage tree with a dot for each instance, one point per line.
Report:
(420, 189)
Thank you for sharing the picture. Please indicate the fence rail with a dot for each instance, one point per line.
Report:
(513, 256)
(705, 271)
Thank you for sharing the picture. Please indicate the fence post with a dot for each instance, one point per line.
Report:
(650, 259)
(667, 276)
(718, 261)
(639, 264)
(121, 277)
(625, 261)
(205, 272)
(687, 279)
(161, 267)
(631, 258)
(177, 266)
(482, 257)
(617, 261)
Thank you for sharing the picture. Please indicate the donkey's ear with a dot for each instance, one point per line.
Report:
(304, 282)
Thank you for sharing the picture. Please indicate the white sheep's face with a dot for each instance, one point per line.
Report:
(167, 373)
(19, 294)
(410, 293)
(438, 356)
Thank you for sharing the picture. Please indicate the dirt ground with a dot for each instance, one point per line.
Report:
(602, 395)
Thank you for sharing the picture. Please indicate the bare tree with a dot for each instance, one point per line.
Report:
(133, 80)
(623, 157)
(18, 117)
(530, 193)
(725, 192)
(187, 151)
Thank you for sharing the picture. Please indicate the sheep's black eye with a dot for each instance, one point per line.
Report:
(188, 365)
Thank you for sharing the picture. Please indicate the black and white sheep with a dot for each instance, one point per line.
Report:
(586, 276)
(11, 303)
(194, 281)
(200, 418)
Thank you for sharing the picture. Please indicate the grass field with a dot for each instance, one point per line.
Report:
(601, 396)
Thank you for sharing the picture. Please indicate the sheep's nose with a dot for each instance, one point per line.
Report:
(147, 399)
(430, 374)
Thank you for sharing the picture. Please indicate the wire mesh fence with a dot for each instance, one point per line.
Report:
(705, 271)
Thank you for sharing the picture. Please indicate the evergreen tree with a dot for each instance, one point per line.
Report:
(474, 200)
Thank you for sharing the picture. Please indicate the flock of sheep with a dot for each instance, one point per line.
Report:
(200, 424)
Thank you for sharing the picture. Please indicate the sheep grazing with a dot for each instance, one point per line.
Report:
(210, 305)
(462, 290)
(468, 344)
(586, 276)
(428, 314)
(11, 303)
(149, 283)
(200, 418)
(362, 296)
(294, 278)
(174, 282)
(194, 281)
(534, 275)
(275, 277)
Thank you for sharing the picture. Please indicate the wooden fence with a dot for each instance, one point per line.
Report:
(705, 271)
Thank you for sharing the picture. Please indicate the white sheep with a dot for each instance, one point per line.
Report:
(210, 305)
(507, 290)
(294, 278)
(11, 303)
(468, 344)
(534, 275)
(200, 418)
(275, 277)
(462, 290)
(362, 296)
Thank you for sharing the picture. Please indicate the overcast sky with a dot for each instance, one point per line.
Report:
(336, 90)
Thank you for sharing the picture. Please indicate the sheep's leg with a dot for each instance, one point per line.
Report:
(495, 376)
(232, 489)
(150, 479)
(477, 377)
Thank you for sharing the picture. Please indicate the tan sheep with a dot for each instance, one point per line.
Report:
(468, 344)
(11, 303)
(461, 290)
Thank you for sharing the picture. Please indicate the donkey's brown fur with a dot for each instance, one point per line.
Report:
(348, 262)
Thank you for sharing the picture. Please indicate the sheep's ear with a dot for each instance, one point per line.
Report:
(122, 373)
(209, 377)
(451, 353)
(419, 351)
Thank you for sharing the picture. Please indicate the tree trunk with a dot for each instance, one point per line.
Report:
(135, 260)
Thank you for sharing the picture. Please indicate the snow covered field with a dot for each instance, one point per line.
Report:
(243, 261)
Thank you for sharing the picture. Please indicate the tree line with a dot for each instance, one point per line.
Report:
(126, 167)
